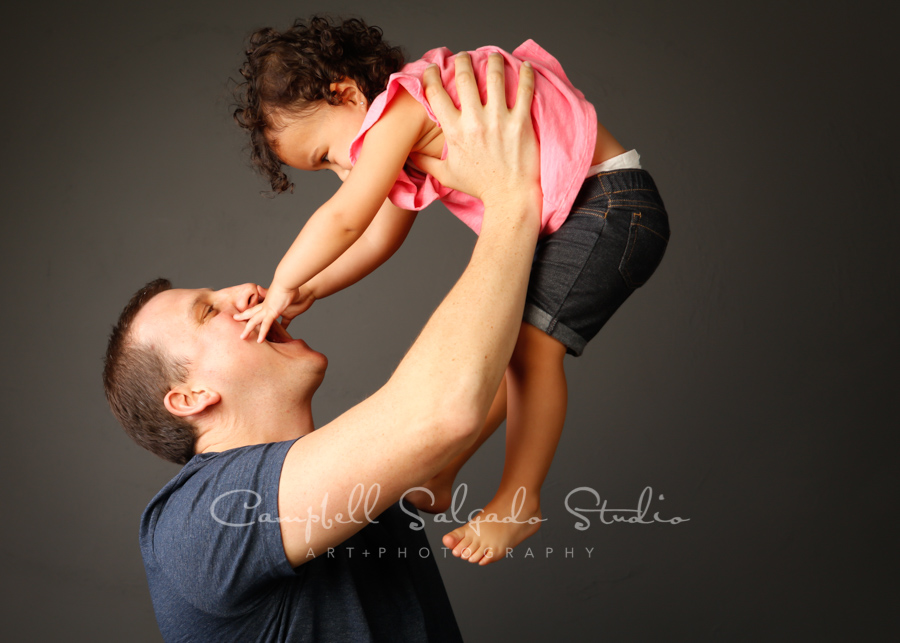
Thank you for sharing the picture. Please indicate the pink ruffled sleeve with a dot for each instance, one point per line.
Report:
(565, 124)
(413, 190)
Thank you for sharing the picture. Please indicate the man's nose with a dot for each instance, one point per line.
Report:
(241, 297)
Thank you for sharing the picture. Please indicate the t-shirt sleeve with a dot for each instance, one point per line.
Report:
(216, 537)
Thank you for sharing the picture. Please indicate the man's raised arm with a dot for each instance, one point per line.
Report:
(436, 401)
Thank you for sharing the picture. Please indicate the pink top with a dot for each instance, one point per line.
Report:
(565, 124)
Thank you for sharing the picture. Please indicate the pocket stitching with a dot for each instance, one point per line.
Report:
(593, 212)
(632, 243)
(640, 225)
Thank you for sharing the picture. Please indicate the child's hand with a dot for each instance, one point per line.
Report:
(305, 298)
(277, 301)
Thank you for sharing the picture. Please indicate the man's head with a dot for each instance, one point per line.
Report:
(180, 380)
(136, 379)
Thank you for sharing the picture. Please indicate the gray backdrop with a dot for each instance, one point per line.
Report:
(749, 383)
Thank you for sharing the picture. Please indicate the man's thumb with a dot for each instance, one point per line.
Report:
(427, 164)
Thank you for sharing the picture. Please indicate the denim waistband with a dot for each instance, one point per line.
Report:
(630, 179)
(616, 182)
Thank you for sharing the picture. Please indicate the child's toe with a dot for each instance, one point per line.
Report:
(452, 539)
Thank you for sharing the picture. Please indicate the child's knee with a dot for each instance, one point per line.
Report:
(537, 354)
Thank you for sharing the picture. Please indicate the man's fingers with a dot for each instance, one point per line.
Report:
(496, 84)
(466, 87)
(435, 167)
(525, 92)
(489, 146)
(438, 98)
(427, 164)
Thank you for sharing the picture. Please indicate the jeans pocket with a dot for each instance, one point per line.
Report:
(559, 261)
(648, 237)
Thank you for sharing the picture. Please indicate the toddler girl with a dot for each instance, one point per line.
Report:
(334, 95)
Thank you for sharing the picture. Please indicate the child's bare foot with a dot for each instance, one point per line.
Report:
(502, 524)
(441, 486)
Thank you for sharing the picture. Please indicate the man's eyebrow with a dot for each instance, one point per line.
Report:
(192, 311)
(198, 301)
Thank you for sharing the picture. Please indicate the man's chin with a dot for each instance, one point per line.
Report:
(304, 349)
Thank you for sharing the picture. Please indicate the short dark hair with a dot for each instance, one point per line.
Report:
(136, 378)
(293, 70)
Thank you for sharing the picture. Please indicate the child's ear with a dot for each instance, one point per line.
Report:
(349, 92)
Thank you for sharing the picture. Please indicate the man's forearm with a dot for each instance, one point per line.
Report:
(458, 360)
(450, 375)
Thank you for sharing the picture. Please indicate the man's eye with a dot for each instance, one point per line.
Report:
(324, 160)
(206, 313)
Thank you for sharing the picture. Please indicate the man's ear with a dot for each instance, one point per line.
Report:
(349, 92)
(184, 402)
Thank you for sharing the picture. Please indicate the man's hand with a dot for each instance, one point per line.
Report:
(493, 150)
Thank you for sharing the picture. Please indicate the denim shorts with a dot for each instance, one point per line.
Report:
(608, 246)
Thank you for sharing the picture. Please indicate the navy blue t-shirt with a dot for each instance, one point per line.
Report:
(217, 570)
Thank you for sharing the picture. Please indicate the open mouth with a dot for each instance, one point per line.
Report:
(278, 335)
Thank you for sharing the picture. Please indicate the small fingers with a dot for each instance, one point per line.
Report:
(247, 314)
(287, 317)
(249, 326)
(261, 318)
(264, 326)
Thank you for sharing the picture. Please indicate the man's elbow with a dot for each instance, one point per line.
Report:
(458, 421)
(448, 418)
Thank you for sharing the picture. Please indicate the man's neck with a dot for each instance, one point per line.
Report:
(226, 428)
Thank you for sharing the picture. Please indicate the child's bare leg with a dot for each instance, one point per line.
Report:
(538, 394)
(441, 485)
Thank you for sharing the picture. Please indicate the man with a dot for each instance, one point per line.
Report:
(274, 531)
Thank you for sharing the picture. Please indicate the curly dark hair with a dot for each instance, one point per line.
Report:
(290, 72)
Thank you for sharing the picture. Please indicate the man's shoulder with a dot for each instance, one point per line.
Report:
(211, 481)
(205, 538)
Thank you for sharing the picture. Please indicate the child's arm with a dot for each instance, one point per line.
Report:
(341, 221)
(378, 243)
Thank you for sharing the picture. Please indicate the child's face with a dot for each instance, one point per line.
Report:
(321, 140)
